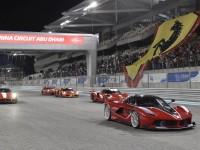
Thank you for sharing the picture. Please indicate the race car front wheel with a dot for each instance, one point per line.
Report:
(107, 113)
(92, 97)
(56, 94)
(135, 120)
(14, 101)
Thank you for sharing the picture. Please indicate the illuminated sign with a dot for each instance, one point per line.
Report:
(41, 39)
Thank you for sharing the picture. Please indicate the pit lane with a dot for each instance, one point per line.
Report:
(49, 123)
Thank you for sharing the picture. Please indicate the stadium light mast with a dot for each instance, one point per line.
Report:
(92, 5)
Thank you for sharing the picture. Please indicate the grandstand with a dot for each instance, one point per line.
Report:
(125, 29)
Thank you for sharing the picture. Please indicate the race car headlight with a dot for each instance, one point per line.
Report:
(64, 92)
(14, 95)
(47, 90)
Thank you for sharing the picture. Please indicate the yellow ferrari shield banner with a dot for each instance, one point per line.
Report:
(169, 34)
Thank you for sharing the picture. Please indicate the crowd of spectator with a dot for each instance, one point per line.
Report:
(108, 64)
(72, 69)
(187, 55)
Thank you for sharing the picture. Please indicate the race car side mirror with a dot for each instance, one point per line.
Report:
(172, 100)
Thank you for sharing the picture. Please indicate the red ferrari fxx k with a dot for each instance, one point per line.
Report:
(108, 94)
(7, 96)
(66, 92)
(148, 111)
(48, 90)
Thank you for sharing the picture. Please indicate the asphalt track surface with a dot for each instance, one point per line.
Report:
(49, 123)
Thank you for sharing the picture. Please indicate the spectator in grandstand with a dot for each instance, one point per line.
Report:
(185, 56)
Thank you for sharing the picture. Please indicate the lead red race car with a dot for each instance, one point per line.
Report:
(7, 96)
(148, 111)
(105, 94)
(66, 92)
(49, 90)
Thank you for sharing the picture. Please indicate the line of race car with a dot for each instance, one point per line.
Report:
(63, 92)
(140, 111)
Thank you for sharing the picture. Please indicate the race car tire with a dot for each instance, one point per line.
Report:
(107, 112)
(15, 102)
(104, 99)
(92, 97)
(60, 94)
(56, 95)
(135, 120)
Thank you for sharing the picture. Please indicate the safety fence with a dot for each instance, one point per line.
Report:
(182, 79)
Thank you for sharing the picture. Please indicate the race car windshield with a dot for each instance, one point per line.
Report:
(67, 89)
(111, 91)
(155, 102)
(151, 102)
(5, 90)
(50, 87)
(165, 106)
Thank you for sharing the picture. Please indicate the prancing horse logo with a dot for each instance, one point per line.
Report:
(164, 45)
(76, 40)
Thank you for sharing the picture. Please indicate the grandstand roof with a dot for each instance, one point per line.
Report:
(117, 15)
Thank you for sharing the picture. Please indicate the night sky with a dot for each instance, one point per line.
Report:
(30, 15)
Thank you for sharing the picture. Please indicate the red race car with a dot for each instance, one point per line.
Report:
(102, 96)
(66, 92)
(148, 111)
(48, 90)
(6, 95)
